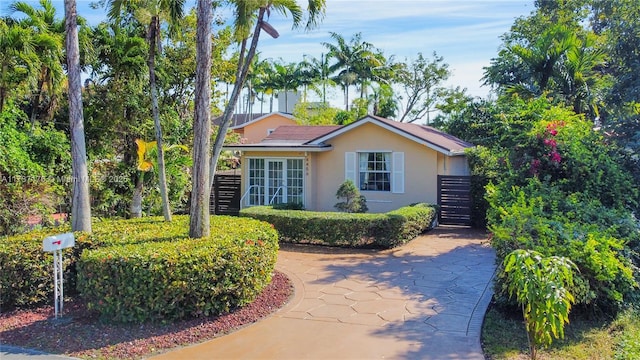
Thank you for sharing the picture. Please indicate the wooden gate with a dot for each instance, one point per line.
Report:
(225, 195)
(454, 199)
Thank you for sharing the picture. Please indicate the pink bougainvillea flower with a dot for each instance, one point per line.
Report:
(555, 157)
(550, 142)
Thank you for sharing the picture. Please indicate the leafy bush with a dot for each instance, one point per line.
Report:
(27, 271)
(486, 166)
(135, 270)
(289, 206)
(347, 229)
(28, 177)
(540, 218)
(555, 186)
(353, 202)
(147, 277)
(540, 287)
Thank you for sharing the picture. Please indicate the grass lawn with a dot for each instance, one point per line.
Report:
(504, 338)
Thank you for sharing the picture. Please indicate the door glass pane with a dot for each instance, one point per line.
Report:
(275, 182)
(295, 187)
(256, 182)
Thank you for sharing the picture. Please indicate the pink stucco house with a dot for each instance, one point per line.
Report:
(394, 164)
(255, 128)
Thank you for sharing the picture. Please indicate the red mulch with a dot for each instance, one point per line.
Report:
(79, 332)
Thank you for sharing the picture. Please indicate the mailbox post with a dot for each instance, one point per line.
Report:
(55, 244)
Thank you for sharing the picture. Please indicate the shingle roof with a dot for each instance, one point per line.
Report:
(237, 119)
(316, 136)
(429, 134)
(301, 133)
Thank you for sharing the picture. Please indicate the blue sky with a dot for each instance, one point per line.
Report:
(465, 32)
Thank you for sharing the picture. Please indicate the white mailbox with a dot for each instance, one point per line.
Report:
(58, 242)
(55, 244)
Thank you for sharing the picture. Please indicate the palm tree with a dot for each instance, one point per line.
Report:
(250, 14)
(578, 77)
(154, 11)
(308, 74)
(286, 77)
(541, 57)
(18, 59)
(48, 43)
(121, 53)
(263, 82)
(317, 71)
(80, 202)
(353, 62)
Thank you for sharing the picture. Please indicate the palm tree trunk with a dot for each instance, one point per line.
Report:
(153, 35)
(346, 97)
(35, 104)
(243, 67)
(199, 220)
(286, 99)
(80, 202)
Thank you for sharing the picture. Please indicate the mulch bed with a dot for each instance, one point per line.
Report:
(80, 333)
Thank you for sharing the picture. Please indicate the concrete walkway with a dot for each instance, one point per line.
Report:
(425, 300)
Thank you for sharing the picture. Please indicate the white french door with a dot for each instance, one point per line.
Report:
(275, 181)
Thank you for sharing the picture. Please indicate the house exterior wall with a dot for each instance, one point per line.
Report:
(325, 171)
(255, 132)
(452, 165)
(420, 165)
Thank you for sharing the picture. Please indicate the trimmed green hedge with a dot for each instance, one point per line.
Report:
(27, 271)
(347, 229)
(136, 270)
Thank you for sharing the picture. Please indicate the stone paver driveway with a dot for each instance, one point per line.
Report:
(424, 300)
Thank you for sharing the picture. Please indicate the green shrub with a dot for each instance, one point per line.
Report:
(289, 206)
(31, 162)
(353, 201)
(27, 271)
(347, 229)
(108, 266)
(539, 217)
(173, 277)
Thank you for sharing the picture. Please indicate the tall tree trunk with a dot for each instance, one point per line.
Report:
(136, 199)
(199, 220)
(153, 36)
(80, 204)
(271, 103)
(35, 104)
(243, 69)
(346, 97)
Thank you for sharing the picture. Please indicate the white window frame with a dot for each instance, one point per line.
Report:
(396, 171)
(363, 156)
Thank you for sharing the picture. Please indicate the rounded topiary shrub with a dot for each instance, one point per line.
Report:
(179, 277)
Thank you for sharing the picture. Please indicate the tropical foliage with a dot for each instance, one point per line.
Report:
(540, 287)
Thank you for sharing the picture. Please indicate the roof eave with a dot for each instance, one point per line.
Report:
(459, 152)
(288, 116)
(278, 148)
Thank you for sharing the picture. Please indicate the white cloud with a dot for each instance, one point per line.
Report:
(465, 32)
